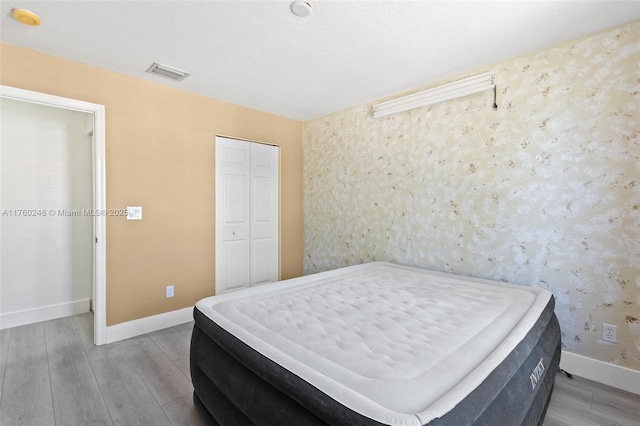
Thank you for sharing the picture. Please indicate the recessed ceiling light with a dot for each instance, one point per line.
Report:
(167, 71)
(26, 17)
(300, 8)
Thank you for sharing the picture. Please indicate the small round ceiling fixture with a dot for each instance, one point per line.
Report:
(300, 8)
(26, 17)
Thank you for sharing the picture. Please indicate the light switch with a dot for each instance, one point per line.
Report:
(134, 213)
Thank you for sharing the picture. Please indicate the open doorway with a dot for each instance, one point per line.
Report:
(52, 204)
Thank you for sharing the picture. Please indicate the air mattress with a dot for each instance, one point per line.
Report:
(376, 344)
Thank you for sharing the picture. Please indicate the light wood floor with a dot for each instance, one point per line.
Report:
(52, 374)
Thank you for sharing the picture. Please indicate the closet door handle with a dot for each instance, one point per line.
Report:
(234, 232)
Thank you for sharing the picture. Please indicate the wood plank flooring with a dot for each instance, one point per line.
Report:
(587, 403)
(52, 374)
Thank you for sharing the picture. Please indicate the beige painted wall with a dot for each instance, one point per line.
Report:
(544, 191)
(160, 146)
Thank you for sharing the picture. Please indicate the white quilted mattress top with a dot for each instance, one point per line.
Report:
(397, 344)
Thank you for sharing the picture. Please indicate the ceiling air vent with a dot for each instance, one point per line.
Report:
(167, 72)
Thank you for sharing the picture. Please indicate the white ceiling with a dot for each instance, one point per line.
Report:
(258, 54)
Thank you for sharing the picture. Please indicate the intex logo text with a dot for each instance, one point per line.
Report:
(537, 373)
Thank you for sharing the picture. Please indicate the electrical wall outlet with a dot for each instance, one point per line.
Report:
(169, 291)
(609, 333)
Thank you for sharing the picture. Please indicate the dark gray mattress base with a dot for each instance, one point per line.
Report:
(235, 385)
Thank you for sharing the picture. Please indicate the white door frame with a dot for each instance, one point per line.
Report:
(99, 194)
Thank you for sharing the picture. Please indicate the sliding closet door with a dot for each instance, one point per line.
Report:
(246, 214)
(233, 200)
(264, 214)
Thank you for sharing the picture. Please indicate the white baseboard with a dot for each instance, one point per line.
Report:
(44, 313)
(602, 372)
(140, 326)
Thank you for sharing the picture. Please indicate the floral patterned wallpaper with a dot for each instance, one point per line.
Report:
(543, 191)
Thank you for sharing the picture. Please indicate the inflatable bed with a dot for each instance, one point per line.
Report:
(376, 344)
